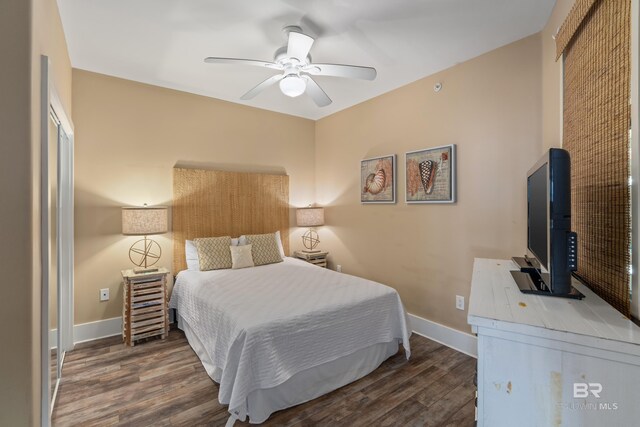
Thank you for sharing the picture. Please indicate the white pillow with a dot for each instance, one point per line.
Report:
(235, 241)
(279, 242)
(241, 256)
(191, 254)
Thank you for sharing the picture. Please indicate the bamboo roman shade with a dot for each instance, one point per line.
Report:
(595, 41)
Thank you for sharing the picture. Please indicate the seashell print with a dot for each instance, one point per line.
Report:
(375, 182)
(413, 177)
(428, 170)
(386, 165)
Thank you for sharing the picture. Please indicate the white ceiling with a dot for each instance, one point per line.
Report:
(164, 42)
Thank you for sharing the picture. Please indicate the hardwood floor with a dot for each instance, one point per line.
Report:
(53, 370)
(162, 383)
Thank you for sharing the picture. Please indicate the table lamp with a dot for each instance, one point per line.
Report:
(310, 217)
(144, 221)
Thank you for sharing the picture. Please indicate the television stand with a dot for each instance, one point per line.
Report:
(530, 282)
(526, 264)
(532, 350)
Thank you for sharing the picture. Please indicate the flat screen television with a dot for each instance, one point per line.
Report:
(551, 245)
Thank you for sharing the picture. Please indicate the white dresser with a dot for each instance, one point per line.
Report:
(535, 353)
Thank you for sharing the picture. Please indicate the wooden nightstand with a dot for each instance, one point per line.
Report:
(144, 306)
(315, 258)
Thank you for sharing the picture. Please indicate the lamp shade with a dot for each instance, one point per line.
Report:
(143, 221)
(310, 217)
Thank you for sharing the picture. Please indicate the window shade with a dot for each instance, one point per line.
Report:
(595, 41)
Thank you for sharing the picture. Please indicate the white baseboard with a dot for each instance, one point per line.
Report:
(90, 331)
(53, 338)
(95, 330)
(98, 329)
(457, 340)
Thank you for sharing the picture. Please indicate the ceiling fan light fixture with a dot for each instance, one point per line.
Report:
(294, 61)
(293, 85)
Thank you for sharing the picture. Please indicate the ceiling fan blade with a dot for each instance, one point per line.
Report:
(316, 93)
(337, 70)
(299, 45)
(215, 60)
(262, 86)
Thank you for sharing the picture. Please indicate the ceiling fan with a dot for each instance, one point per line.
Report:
(295, 63)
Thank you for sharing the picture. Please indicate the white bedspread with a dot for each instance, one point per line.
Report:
(262, 325)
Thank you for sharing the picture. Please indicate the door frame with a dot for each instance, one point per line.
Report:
(50, 103)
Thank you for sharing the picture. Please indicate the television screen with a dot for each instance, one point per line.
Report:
(538, 215)
(549, 237)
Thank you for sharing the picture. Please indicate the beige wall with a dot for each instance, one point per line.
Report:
(552, 77)
(27, 30)
(490, 107)
(129, 136)
(17, 369)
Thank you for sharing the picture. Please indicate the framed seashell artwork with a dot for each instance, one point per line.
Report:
(378, 180)
(431, 175)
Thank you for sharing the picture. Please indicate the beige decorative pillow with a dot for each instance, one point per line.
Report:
(241, 256)
(265, 248)
(214, 252)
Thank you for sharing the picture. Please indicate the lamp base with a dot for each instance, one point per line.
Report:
(139, 270)
(144, 254)
(310, 240)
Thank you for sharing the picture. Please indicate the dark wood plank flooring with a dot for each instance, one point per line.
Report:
(162, 383)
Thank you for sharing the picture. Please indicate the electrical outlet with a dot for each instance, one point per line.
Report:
(459, 302)
(339, 268)
(104, 294)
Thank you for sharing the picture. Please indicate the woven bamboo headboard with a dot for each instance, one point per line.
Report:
(208, 203)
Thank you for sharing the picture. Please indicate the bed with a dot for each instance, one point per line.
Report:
(281, 334)
(276, 335)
